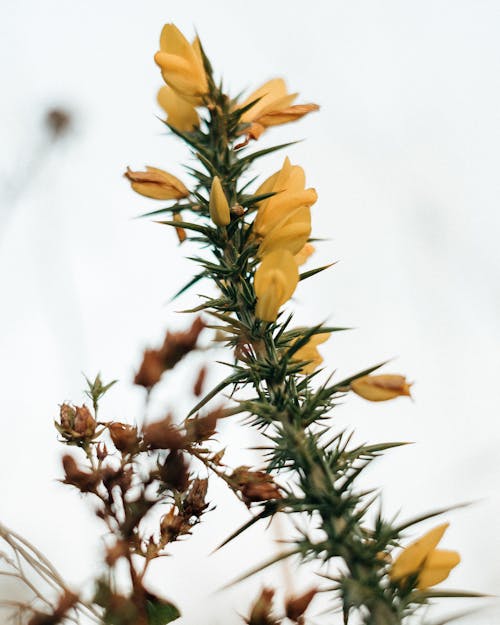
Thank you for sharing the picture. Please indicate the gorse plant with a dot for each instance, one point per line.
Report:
(254, 244)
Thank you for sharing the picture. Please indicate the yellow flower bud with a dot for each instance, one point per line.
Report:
(181, 114)
(157, 184)
(381, 387)
(284, 219)
(310, 352)
(274, 107)
(219, 206)
(421, 558)
(275, 281)
(181, 64)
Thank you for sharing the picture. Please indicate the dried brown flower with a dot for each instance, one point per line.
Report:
(84, 481)
(124, 437)
(255, 485)
(163, 435)
(200, 429)
(150, 370)
(174, 472)
(194, 504)
(175, 346)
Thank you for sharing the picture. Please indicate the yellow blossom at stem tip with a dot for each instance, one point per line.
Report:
(181, 114)
(274, 107)
(275, 281)
(381, 387)
(219, 206)
(181, 64)
(421, 558)
(156, 184)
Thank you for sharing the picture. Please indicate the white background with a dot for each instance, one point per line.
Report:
(404, 156)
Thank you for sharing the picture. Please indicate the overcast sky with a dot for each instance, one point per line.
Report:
(404, 156)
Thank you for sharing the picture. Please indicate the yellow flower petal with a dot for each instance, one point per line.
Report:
(157, 184)
(180, 113)
(275, 281)
(181, 64)
(412, 557)
(381, 387)
(309, 352)
(437, 567)
(273, 106)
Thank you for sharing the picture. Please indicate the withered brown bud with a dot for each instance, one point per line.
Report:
(115, 552)
(101, 451)
(124, 437)
(163, 435)
(174, 472)
(296, 606)
(67, 416)
(194, 504)
(86, 482)
(151, 369)
(172, 526)
(255, 485)
(200, 380)
(200, 429)
(261, 613)
(85, 424)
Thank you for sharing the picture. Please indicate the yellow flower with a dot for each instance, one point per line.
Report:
(181, 114)
(303, 255)
(423, 559)
(381, 387)
(275, 281)
(310, 352)
(274, 107)
(219, 207)
(157, 184)
(284, 220)
(181, 64)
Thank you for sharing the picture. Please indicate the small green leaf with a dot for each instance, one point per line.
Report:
(161, 612)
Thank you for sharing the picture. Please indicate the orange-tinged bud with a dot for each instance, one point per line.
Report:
(273, 107)
(381, 387)
(421, 558)
(181, 114)
(219, 206)
(275, 281)
(181, 64)
(156, 184)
